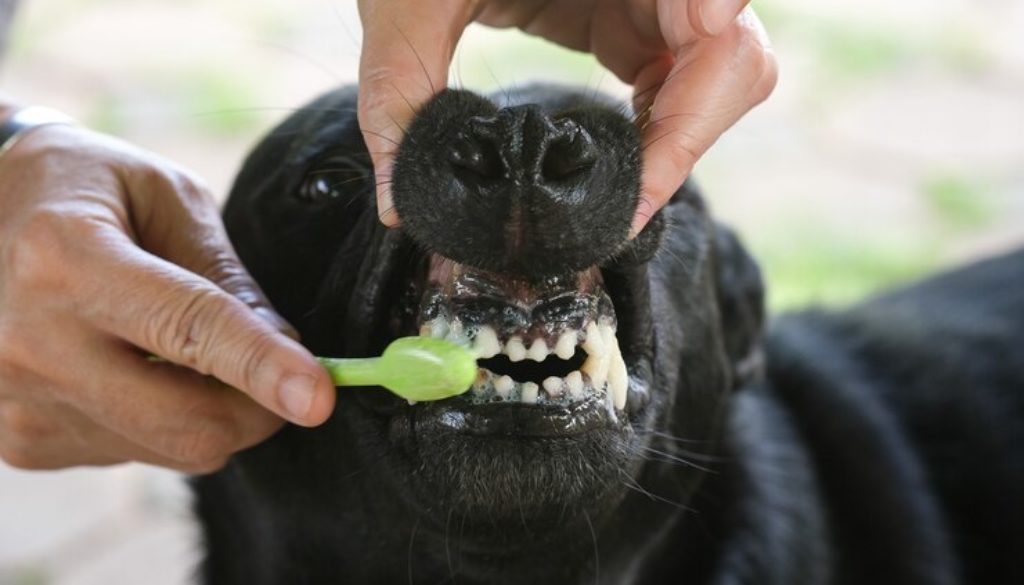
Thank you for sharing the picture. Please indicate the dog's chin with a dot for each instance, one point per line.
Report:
(546, 428)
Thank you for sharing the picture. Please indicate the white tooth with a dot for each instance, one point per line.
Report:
(456, 334)
(553, 386)
(618, 378)
(438, 328)
(593, 342)
(515, 350)
(608, 338)
(529, 392)
(574, 381)
(596, 368)
(411, 402)
(538, 351)
(566, 345)
(503, 386)
(486, 344)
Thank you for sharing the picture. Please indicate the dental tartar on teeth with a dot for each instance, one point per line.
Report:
(602, 373)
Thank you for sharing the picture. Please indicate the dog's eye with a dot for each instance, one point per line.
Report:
(333, 178)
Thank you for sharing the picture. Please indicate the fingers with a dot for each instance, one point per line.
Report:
(166, 310)
(407, 47)
(707, 86)
(179, 221)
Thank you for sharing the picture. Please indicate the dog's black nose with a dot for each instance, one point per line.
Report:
(523, 146)
(530, 190)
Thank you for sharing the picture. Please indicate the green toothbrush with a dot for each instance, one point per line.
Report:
(415, 368)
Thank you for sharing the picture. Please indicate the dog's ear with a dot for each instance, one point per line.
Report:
(740, 293)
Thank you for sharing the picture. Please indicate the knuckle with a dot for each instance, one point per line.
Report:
(35, 253)
(180, 327)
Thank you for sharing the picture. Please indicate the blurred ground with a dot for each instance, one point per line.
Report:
(893, 145)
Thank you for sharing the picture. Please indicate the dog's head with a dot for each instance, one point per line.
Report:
(596, 350)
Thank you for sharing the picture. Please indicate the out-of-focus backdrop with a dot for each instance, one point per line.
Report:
(893, 145)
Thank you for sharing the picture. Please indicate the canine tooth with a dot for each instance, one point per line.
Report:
(596, 367)
(553, 386)
(503, 386)
(574, 381)
(566, 345)
(515, 350)
(593, 343)
(618, 378)
(486, 344)
(538, 351)
(608, 338)
(529, 392)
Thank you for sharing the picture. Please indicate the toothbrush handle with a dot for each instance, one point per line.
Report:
(353, 371)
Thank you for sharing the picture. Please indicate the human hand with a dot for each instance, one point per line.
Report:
(108, 254)
(696, 66)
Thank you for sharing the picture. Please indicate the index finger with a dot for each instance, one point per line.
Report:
(407, 48)
(708, 86)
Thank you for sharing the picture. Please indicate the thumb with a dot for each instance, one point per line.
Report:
(201, 308)
(407, 47)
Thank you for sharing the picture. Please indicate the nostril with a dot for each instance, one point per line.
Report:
(569, 155)
(476, 156)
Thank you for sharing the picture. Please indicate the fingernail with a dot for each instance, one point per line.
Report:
(715, 15)
(296, 395)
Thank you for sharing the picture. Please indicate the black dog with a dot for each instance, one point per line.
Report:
(631, 422)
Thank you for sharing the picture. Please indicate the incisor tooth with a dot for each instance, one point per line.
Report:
(503, 386)
(574, 381)
(515, 350)
(566, 345)
(486, 343)
(538, 351)
(553, 386)
(529, 392)
(593, 342)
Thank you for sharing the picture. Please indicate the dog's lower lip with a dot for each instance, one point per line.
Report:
(512, 420)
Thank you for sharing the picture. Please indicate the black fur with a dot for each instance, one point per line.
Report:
(883, 444)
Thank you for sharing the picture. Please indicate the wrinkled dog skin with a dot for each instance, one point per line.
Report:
(632, 421)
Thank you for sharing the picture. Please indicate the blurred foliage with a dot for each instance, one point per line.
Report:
(959, 202)
(808, 266)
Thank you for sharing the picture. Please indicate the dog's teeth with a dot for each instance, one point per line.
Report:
(553, 386)
(596, 368)
(503, 386)
(566, 345)
(486, 344)
(529, 392)
(593, 343)
(574, 382)
(608, 338)
(618, 378)
(438, 328)
(515, 350)
(538, 351)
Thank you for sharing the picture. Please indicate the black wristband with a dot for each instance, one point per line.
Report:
(22, 121)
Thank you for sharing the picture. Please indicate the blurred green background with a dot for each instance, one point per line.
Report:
(893, 146)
